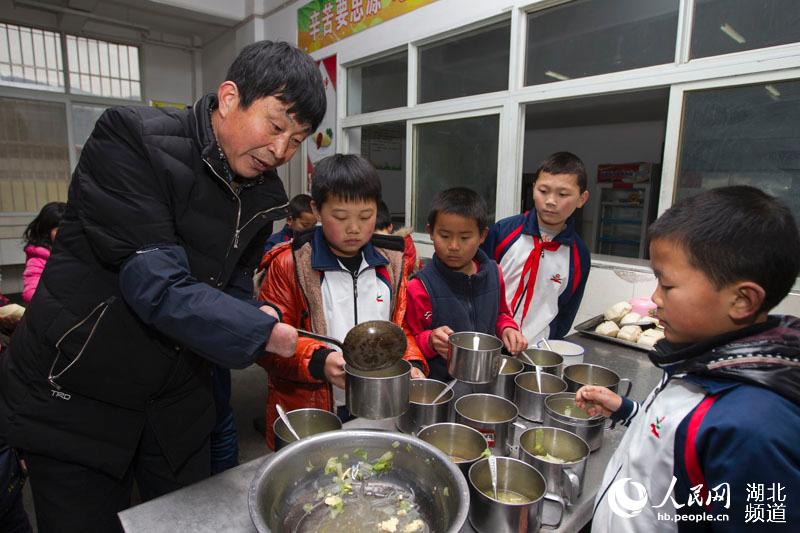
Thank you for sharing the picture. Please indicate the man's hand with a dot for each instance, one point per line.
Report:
(514, 341)
(439, 340)
(416, 373)
(282, 340)
(268, 309)
(597, 400)
(334, 369)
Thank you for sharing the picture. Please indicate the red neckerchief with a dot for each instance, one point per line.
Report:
(531, 268)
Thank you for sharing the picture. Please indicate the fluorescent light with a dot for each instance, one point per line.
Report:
(773, 92)
(556, 75)
(728, 30)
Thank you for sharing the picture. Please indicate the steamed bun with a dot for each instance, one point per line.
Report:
(630, 318)
(629, 333)
(617, 311)
(608, 328)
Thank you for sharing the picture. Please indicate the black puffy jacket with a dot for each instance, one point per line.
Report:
(132, 303)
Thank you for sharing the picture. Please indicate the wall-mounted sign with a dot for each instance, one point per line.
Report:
(322, 142)
(162, 103)
(323, 22)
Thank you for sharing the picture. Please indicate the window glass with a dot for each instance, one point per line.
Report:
(591, 37)
(472, 63)
(455, 153)
(83, 118)
(725, 26)
(103, 69)
(34, 159)
(380, 84)
(384, 145)
(30, 58)
(744, 135)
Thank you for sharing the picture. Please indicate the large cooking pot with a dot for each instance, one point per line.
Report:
(289, 480)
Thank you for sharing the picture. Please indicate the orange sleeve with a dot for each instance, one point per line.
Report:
(413, 352)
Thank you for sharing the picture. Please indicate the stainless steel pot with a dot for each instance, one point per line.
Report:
(561, 411)
(377, 394)
(463, 444)
(488, 515)
(474, 357)
(582, 374)
(528, 397)
(288, 480)
(492, 415)
(421, 412)
(503, 384)
(564, 479)
(549, 362)
(306, 422)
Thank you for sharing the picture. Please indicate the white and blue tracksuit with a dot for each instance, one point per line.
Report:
(543, 292)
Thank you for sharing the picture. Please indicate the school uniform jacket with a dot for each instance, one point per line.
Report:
(726, 412)
(315, 292)
(543, 300)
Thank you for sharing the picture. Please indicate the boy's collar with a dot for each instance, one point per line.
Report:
(480, 257)
(566, 236)
(672, 357)
(323, 258)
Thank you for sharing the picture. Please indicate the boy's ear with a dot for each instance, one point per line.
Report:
(315, 211)
(748, 299)
(484, 234)
(583, 198)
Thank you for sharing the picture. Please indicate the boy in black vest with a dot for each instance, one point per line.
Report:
(460, 289)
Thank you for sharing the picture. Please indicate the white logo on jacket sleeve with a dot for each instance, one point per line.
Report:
(622, 504)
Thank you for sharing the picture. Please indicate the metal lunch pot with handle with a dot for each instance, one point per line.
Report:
(528, 397)
(377, 394)
(503, 384)
(561, 411)
(492, 415)
(421, 412)
(582, 374)
(474, 357)
(560, 456)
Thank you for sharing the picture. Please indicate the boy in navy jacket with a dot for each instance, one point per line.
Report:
(461, 288)
(544, 261)
(715, 446)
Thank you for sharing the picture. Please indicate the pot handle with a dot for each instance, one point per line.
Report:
(562, 505)
(611, 425)
(517, 430)
(571, 484)
(317, 336)
(630, 385)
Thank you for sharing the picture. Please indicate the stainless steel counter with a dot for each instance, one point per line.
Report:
(219, 504)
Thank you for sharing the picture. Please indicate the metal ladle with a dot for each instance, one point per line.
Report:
(282, 414)
(371, 345)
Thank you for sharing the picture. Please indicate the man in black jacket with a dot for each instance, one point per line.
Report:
(108, 378)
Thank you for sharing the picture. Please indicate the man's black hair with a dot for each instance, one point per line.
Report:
(564, 163)
(460, 201)
(266, 68)
(736, 233)
(384, 218)
(348, 177)
(300, 204)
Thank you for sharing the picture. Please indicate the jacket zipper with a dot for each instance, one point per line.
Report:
(355, 297)
(235, 242)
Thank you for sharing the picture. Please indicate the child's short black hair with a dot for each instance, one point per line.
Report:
(278, 69)
(564, 163)
(300, 204)
(460, 201)
(349, 177)
(384, 218)
(734, 234)
(38, 231)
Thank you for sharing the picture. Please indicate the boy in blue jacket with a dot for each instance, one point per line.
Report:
(715, 446)
(544, 261)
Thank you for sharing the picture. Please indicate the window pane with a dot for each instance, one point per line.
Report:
(381, 84)
(103, 69)
(725, 26)
(34, 161)
(593, 37)
(26, 54)
(742, 136)
(455, 153)
(83, 119)
(472, 63)
(384, 145)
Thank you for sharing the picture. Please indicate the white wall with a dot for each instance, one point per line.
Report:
(168, 74)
